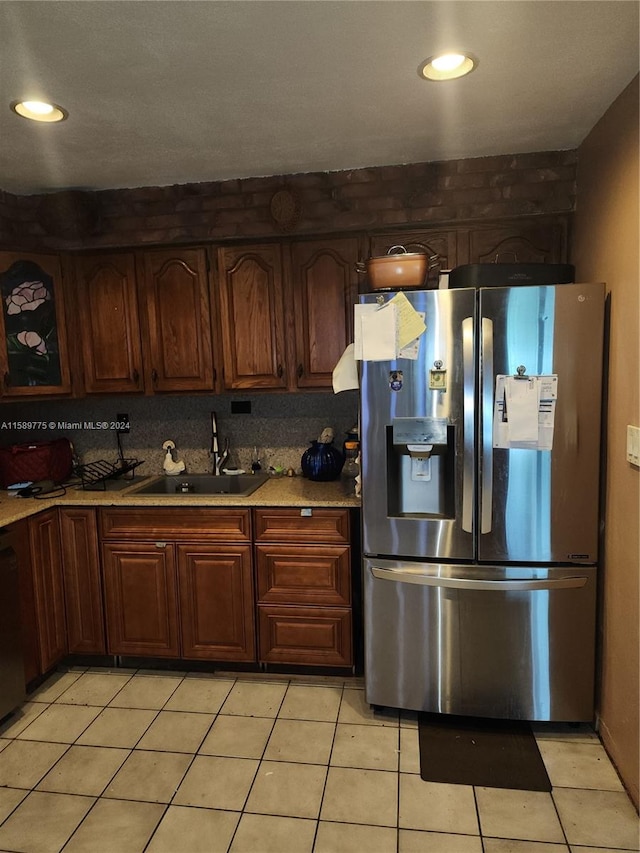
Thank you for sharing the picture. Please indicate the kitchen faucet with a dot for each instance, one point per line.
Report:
(219, 460)
(215, 448)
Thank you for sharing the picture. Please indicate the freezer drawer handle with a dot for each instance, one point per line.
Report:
(415, 576)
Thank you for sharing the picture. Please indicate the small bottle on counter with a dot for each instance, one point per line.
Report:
(350, 469)
(255, 461)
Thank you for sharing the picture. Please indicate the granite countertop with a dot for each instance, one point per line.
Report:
(281, 491)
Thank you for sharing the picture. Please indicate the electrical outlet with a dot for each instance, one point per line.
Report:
(122, 424)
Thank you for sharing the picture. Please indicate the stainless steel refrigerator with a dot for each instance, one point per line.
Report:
(481, 545)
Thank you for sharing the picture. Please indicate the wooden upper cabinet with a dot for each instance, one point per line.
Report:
(541, 242)
(34, 358)
(250, 288)
(175, 296)
(108, 324)
(436, 242)
(325, 287)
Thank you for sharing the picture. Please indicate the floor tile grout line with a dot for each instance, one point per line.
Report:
(328, 765)
(253, 781)
(193, 757)
(131, 752)
(398, 780)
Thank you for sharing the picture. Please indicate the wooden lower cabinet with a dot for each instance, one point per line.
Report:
(82, 581)
(304, 590)
(28, 615)
(216, 602)
(140, 599)
(175, 597)
(46, 564)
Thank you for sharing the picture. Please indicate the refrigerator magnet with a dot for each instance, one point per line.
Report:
(437, 377)
(395, 380)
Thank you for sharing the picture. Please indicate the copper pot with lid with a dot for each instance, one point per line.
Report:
(400, 268)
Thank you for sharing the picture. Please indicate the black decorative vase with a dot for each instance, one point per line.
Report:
(322, 462)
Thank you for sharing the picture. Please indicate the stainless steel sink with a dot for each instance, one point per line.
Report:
(241, 485)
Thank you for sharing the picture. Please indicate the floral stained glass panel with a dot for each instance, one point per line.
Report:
(28, 305)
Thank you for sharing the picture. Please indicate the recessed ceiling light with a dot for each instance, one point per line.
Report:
(447, 66)
(39, 110)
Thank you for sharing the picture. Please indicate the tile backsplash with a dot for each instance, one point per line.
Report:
(281, 426)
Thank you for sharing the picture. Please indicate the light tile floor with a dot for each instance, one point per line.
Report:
(101, 761)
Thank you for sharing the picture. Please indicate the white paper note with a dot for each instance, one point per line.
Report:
(359, 311)
(503, 435)
(375, 332)
(379, 334)
(345, 373)
(522, 398)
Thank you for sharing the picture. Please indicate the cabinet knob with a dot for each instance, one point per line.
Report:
(136, 375)
(161, 544)
(299, 371)
(280, 371)
(154, 375)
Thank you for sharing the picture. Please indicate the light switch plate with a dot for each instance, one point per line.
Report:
(633, 445)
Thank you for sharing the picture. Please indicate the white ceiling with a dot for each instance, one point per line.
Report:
(203, 90)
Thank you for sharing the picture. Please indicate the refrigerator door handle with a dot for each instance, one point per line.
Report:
(486, 455)
(416, 576)
(467, 418)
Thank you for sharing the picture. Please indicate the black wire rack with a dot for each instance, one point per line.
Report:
(94, 475)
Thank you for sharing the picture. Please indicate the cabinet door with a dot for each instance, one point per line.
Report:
(441, 243)
(325, 289)
(46, 562)
(28, 616)
(216, 602)
(108, 323)
(176, 300)
(33, 352)
(541, 242)
(140, 599)
(250, 289)
(82, 582)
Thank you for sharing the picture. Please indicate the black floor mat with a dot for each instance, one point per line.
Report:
(476, 751)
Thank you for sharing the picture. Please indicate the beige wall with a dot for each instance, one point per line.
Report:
(605, 248)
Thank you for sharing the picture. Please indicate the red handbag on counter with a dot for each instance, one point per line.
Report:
(39, 460)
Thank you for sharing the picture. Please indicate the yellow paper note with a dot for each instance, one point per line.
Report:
(410, 323)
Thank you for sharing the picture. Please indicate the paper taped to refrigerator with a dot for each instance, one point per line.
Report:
(376, 337)
(384, 333)
(410, 322)
(524, 412)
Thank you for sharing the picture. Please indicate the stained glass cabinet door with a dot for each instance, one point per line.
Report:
(33, 352)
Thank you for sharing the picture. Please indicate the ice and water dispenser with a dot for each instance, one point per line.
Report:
(420, 467)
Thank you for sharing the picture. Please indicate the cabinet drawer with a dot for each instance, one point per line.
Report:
(288, 525)
(176, 523)
(317, 574)
(309, 636)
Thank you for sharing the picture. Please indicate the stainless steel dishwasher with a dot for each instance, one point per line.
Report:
(12, 686)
